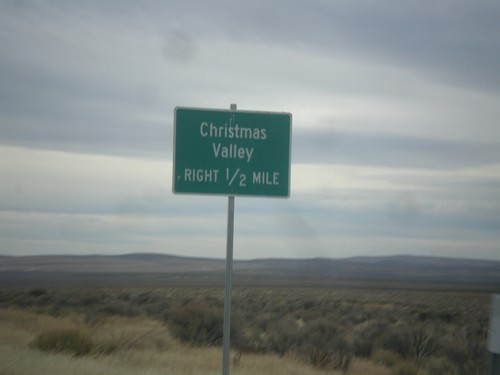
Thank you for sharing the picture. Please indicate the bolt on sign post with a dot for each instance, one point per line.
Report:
(231, 152)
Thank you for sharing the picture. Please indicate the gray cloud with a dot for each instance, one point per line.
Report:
(392, 150)
(449, 41)
(404, 97)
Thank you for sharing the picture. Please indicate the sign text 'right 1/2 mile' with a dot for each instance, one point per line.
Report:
(232, 152)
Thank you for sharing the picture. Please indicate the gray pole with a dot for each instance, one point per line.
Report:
(229, 274)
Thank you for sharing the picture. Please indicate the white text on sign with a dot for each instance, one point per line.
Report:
(233, 150)
(232, 177)
(201, 175)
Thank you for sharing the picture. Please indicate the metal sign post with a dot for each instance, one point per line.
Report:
(228, 289)
(226, 332)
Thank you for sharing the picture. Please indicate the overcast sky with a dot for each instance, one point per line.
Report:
(396, 125)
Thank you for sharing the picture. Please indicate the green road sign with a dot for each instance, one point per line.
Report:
(231, 152)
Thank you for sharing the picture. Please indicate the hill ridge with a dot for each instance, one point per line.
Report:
(158, 267)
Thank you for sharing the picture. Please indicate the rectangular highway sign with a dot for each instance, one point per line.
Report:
(231, 152)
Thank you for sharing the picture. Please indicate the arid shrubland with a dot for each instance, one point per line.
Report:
(328, 329)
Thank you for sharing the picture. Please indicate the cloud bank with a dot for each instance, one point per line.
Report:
(396, 141)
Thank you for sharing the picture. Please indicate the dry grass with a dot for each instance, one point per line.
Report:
(368, 368)
(130, 346)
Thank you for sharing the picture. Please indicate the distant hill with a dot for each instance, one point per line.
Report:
(162, 269)
(402, 269)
